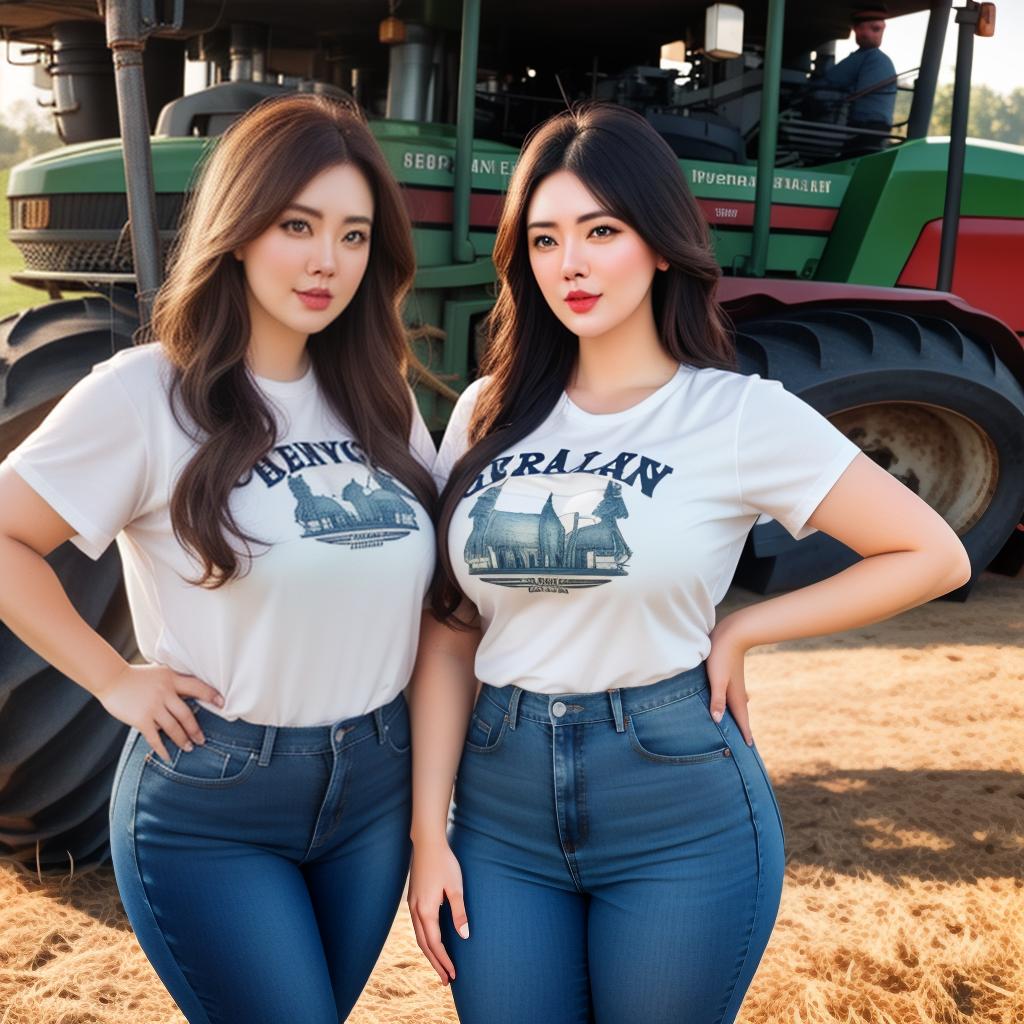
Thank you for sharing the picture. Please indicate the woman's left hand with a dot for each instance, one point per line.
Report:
(725, 673)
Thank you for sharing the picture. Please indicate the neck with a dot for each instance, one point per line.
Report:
(276, 353)
(628, 357)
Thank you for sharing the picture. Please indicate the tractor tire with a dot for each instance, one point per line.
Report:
(922, 398)
(58, 746)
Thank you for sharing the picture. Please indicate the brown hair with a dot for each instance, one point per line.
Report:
(201, 318)
(635, 175)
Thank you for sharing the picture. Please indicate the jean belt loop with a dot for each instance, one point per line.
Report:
(615, 698)
(513, 708)
(382, 729)
(269, 734)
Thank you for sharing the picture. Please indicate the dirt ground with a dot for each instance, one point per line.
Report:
(896, 752)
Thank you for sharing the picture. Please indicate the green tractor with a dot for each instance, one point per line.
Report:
(880, 287)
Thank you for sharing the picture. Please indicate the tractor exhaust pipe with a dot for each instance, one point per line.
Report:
(128, 24)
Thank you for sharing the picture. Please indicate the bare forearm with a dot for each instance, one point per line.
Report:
(441, 698)
(36, 609)
(871, 590)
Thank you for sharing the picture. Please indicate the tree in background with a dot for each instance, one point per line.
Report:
(993, 115)
(25, 131)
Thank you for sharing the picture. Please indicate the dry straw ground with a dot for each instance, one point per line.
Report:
(896, 753)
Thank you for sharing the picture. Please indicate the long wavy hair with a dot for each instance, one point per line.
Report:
(201, 318)
(633, 173)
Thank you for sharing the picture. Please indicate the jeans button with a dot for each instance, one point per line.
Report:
(339, 735)
(558, 709)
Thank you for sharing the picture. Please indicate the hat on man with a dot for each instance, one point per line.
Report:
(876, 12)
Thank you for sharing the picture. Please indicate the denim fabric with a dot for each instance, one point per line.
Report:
(622, 858)
(261, 871)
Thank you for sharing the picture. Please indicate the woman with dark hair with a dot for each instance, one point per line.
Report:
(264, 470)
(615, 850)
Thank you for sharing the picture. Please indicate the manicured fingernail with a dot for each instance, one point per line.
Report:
(219, 701)
(716, 715)
(464, 931)
(189, 747)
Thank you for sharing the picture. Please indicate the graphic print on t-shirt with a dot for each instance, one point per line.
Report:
(573, 540)
(362, 515)
(375, 515)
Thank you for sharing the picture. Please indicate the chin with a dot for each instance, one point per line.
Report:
(592, 329)
(579, 324)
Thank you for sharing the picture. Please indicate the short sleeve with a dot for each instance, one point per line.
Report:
(421, 444)
(87, 460)
(788, 456)
(455, 440)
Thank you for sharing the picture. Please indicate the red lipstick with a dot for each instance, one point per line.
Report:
(581, 302)
(315, 298)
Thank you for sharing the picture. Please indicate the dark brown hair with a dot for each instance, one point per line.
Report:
(635, 176)
(201, 318)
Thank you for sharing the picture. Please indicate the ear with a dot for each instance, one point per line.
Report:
(662, 264)
(239, 255)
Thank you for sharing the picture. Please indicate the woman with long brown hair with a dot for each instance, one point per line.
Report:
(615, 850)
(264, 470)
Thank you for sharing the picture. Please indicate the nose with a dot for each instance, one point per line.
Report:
(322, 259)
(574, 263)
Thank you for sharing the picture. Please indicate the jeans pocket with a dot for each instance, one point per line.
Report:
(208, 765)
(487, 726)
(676, 733)
(398, 731)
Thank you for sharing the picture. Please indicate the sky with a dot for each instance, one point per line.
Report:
(996, 60)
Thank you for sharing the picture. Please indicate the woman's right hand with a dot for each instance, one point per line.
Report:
(149, 698)
(434, 875)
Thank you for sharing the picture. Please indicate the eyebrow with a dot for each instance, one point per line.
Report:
(579, 220)
(319, 216)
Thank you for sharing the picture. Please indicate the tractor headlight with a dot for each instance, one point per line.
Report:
(30, 214)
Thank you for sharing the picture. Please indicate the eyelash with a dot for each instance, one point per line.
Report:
(597, 227)
(291, 223)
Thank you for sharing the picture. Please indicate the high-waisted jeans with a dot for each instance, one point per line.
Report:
(622, 858)
(261, 871)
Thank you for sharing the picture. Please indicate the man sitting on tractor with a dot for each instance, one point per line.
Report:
(867, 76)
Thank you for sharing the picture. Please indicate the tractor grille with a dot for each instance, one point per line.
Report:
(88, 211)
(78, 257)
(83, 234)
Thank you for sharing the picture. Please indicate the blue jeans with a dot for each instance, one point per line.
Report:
(261, 872)
(622, 858)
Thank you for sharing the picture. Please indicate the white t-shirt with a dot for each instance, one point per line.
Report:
(324, 625)
(597, 548)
